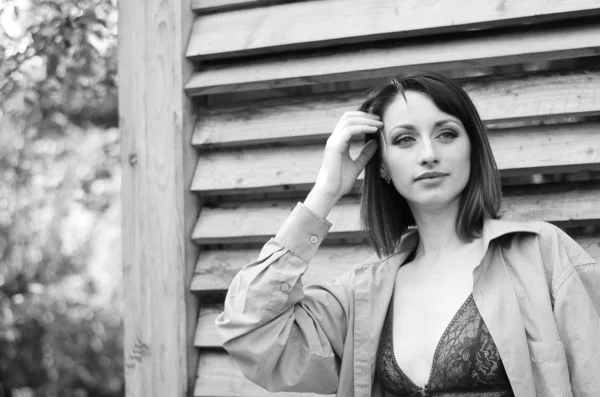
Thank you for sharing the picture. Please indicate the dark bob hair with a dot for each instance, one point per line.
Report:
(385, 214)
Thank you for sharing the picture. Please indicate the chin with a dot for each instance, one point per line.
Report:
(436, 200)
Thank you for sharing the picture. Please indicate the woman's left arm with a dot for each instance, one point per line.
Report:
(577, 314)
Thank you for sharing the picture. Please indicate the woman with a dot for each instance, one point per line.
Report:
(463, 304)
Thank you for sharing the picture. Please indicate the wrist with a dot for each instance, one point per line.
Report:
(320, 203)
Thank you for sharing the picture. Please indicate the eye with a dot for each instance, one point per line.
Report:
(448, 135)
(404, 140)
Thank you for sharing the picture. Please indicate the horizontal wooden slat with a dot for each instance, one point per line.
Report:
(324, 266)
(303, 25)
(209, 6)
(467, 51)
(218, 376)
(206, 335)
(313, 117)
(517, 151)
(256, 222)
(215, 269)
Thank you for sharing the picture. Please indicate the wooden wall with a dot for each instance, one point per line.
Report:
(159, 210)
(273, 77)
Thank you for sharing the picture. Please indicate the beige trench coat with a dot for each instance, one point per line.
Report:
(536, 289)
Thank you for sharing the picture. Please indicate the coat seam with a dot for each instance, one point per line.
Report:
(565, 278)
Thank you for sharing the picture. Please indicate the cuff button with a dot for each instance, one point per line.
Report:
(314, 239)
(285, 287)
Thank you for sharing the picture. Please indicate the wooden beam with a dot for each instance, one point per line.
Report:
(301, 25)
(218, 376)
(157, 161)
(257, 221)
(476, 49)
(298, 119)
(324, 266)
(517, 151)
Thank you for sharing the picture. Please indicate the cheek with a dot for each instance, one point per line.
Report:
(398, 167)
(464, 162)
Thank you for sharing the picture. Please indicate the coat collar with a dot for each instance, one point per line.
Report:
(492, 229)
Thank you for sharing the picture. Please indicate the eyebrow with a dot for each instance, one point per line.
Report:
(412, 127)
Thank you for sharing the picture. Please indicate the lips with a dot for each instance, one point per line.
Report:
(429, 175)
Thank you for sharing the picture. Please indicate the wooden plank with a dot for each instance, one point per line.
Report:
(517, 151)
(212, 6)
(218, 376)
(258, 221)
(301, 25)
(477, 49)
(206, 332)
(313, 118)
(157, 162)
(215, 269)
(323, 267)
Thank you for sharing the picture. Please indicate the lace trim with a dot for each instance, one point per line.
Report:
(465, 360)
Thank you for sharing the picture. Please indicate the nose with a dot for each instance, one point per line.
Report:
(429, 153)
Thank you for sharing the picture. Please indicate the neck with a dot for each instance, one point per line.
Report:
(437, 230)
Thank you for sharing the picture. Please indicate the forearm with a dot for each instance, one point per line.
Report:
(319, 203)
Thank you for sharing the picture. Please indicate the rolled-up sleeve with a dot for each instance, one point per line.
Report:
(282, 335)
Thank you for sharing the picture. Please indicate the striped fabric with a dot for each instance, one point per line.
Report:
(536, 289)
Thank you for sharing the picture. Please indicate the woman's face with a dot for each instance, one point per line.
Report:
(418, 139)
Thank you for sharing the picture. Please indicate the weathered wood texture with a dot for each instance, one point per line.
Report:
(302, 25)
(213, 6)
(218, 376)
(215, 269)
(257, 221)
(309, 118)
(158, 209)
(475, 50)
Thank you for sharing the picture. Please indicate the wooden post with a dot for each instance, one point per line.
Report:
(159, 210)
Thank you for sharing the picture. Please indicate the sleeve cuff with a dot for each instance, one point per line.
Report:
(303, 232)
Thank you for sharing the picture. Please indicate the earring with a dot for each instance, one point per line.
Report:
(387, 179)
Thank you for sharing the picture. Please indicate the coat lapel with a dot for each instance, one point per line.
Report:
(374, 285)
(495, 298)
(497, 303)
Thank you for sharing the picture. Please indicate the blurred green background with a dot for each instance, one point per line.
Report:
(60, 213)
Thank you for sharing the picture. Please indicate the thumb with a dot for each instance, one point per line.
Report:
(366, 154)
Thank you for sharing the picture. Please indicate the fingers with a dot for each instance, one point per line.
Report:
(350, 125)
(358, 129)
(358, 118)
(365, 155)
(355, 123)
(358, 113)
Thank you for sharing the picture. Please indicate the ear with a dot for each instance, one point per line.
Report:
(383, 171)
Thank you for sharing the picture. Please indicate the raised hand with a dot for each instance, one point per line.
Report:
(339, 171)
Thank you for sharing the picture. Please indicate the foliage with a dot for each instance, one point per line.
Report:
(60, 57)
(60, 313)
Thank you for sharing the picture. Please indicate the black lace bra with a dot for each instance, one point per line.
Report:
(466, 361)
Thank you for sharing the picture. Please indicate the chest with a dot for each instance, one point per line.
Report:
(493, 285)
(425, 303)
